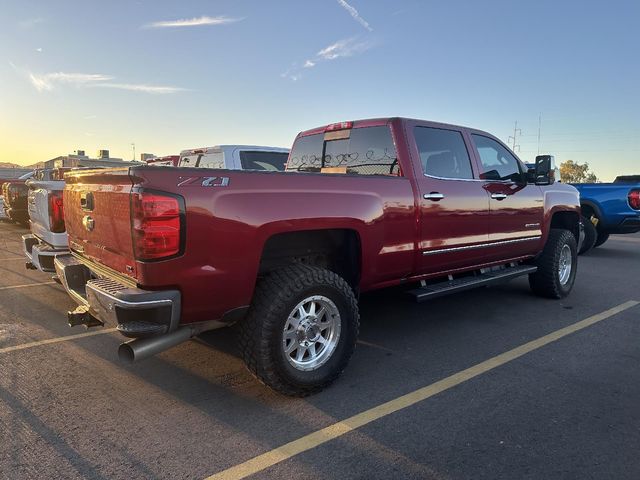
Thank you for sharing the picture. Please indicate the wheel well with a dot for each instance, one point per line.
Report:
(337, 250)
(567, 221)
(587, 210)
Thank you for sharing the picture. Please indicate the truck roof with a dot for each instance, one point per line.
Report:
(234, 147)
(373, 122)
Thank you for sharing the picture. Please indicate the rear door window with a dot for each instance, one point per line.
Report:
(260, 160)
(443, 153)
(359, 151)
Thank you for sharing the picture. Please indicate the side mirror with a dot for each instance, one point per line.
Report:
(545, 170)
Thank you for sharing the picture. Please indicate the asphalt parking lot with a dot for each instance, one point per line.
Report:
(440, 390)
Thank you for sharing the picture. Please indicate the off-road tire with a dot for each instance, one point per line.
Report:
(260, 333)
(590, 236)
(601, 238)
(546, 281)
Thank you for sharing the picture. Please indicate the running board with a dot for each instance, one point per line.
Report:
(466, 283)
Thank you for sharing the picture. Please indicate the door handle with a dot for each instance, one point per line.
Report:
(434, 196)
(498, 196)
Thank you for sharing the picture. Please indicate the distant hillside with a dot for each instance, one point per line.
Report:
(15, 165)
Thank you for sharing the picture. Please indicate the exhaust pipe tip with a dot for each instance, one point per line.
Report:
(126, 354)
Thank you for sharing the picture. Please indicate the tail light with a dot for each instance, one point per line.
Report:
(338, 126)
(634, 199)
(56, 212)
(156, 224)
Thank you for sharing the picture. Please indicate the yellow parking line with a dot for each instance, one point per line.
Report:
(27, 285)
(55, 340)
(312, 440)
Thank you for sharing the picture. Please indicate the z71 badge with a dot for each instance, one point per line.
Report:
(203, 181)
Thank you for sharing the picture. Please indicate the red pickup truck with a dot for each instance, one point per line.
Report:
(168, 253)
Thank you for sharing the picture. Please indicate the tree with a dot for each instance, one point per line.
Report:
(572, 172)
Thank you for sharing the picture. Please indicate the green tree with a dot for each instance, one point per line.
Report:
(572, 172)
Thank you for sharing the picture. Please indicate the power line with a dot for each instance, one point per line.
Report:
(516, 132)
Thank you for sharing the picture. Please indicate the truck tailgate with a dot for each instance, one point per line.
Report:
(98, 217)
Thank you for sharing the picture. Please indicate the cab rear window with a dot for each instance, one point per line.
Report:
(270, 161)
(359, 151)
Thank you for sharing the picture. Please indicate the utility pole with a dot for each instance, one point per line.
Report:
(133, 146)
(539, 130)
(516, 132)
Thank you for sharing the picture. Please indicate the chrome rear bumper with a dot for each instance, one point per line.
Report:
(39, 254)
(135, 311)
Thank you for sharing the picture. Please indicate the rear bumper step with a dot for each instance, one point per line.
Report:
(466, 283)
(136, 312)
(40, 256)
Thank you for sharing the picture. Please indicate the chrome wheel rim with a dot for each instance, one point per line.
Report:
(311, 333)
(564, 265)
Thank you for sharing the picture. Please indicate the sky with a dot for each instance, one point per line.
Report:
(167, 76)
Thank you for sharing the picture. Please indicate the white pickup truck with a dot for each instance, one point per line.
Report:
(235, 157)
(48, 236)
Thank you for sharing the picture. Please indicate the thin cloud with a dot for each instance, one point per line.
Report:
(48, 81)
(347, 47)
(356, 16)
(193, 22)
(343, 48)
(141, 87)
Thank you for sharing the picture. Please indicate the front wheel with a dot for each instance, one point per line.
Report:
(301, 329)
(557, 265)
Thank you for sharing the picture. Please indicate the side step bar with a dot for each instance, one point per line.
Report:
(466, 283)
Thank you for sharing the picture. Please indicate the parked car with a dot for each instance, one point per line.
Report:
(14, 199)
(235, 157)
(48, 236)
(609, 208)
(167, 253)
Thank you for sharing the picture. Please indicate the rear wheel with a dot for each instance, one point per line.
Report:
(601, 238)
(557, 266)
(590, 235)
(301, 329)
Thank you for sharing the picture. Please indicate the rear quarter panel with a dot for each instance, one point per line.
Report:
(609, 200)
(227, 227)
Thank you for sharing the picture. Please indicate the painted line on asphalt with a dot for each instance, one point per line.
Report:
(27, 285)
(50, 341)
(319, 437)
(374, 345)
(625, 239)
(24, 258)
